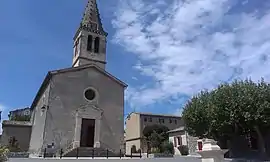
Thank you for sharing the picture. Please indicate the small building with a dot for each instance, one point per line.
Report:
(179, 137)
(16, 134)
(136, 122)
(17, 130)
(22, 114)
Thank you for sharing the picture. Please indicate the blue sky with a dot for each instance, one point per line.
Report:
(166, 51)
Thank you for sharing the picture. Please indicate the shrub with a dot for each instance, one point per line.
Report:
(13, 145)
(167, 147)
(155, 150)
(3, 153)
(183, 150)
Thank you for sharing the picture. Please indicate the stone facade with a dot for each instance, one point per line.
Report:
(38, 120)
(83, 56)
(60, 123)
(61, 105)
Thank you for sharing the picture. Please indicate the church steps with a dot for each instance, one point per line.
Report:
(90, 152)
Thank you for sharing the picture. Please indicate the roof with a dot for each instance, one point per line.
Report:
(91, 19)
(16, 123)
(72, 69)
(19, 109)
(160, 115)
(177, 130)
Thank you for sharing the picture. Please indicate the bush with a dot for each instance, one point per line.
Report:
(13, 145)
(3, 153)
(183, 150)
(167, 147)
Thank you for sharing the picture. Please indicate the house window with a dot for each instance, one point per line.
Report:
(170, 120)
(175, 121)
(179, 140)
(161, 120)
(145, 119)
(150, 119)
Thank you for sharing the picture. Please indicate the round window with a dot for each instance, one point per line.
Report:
(90, 94)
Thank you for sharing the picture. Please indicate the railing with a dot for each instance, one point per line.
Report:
(72, 149)
(108, 147)
(93, 155)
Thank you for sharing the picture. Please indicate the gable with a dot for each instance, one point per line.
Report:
(105, 73)
(50, 74)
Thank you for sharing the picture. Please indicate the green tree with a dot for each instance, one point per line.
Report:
(155, 135)
(230, 110)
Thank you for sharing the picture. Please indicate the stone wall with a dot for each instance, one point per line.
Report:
(38, 121)
(21, 131)
(192, 144)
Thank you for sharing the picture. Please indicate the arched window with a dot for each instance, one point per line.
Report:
(97, 45)
(89, 43)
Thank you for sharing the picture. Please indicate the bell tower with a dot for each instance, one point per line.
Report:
(90, 39)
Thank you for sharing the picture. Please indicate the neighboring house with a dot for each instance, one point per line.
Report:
(19, 112)
(180, 137)
(18, 128)
(136, 122)
(19, 131)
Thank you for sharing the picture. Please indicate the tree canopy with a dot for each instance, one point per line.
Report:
(156, 135)
(237, 108)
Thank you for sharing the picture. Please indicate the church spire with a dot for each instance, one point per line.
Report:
(91, 18)
(90, 39)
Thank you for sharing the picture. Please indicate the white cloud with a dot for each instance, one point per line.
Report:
(190, 45)
(2, 107)
(178, 112)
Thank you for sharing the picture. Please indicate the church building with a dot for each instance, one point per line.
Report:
(81, 106)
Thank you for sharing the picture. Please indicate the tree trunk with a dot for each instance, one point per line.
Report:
(232, 140)
(261, 142)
